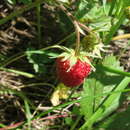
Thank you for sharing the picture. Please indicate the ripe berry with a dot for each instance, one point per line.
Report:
(74, 75)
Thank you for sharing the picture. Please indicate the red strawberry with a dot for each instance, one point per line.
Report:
(73, 75)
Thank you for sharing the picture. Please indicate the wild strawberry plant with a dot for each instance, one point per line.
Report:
(79, 67)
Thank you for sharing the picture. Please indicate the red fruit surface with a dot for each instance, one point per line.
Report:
(75, 76)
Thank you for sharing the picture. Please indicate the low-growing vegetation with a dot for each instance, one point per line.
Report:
(64, 64)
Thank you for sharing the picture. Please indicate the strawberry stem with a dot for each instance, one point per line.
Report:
(77, 48)
(72, 18)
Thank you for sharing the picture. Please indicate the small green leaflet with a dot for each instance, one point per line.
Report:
(39, 58)
(99, 22)
(82, 9)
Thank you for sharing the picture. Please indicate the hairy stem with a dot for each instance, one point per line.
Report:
(77, 39)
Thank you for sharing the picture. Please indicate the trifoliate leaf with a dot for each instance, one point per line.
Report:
(98, 83)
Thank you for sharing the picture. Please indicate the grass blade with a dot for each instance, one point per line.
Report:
(18, 72)
(113, 70)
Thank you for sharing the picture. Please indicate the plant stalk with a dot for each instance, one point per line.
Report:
(77, 49)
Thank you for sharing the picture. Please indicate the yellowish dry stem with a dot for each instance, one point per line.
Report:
(124, 36)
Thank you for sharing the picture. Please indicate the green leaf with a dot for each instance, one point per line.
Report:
(112, 62)
(100, 22)
(75, 110)
(107, 104)
(118, 121)
(87, 103)
(68, 121)
(39, 58)
(110, 80)
(38, 61)
(82, 8)
(100, 82)
(113, 77)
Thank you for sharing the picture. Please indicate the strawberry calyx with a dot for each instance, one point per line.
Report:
(73, 58)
